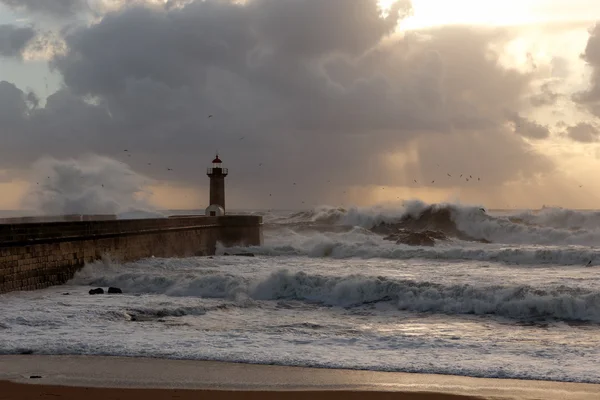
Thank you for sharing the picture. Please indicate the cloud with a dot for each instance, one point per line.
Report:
(529, 129)
(300, 91)
(13, 39)
(583, 132)
(546, 97)
(590, 98)
(51, 7)
(561, 124)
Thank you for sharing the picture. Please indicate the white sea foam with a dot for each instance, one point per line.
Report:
(510, 301)
(560, 218)
(283, 333)
(326, 290)
(546, 227)
(366, 245)
(366, 217)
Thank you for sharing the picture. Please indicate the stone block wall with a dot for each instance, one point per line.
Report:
(38, 255)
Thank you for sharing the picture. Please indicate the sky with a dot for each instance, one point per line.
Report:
(311, 102)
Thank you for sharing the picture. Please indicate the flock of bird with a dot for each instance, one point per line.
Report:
(468, 178)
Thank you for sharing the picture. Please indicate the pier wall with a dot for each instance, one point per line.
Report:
(38, 255)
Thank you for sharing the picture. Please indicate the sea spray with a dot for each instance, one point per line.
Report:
(91, 184)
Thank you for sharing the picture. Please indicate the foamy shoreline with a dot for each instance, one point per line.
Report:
(149, 373)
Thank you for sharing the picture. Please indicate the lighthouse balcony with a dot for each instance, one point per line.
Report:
(216, 171)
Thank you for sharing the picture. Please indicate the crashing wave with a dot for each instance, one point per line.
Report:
(549, 226)
(520, 302)
(434, 222)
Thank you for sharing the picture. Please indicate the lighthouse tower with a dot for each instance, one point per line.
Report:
(217, 175)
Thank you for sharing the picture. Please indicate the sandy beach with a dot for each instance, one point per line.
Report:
(26, 392)
(76, 377)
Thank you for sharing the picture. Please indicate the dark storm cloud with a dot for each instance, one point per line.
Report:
(52, 7)
(590, 98)
(583, 132)
(13, 39)
(315, 91)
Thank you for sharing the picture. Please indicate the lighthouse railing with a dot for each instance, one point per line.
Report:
(222, 171)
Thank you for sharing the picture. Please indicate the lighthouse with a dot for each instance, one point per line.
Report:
(217, 175)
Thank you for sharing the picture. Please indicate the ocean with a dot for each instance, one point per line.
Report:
(504, 294)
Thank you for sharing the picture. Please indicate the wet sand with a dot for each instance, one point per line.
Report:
(84, 377)
(29, 392)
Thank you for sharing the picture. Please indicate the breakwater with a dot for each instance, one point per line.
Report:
(38, 255)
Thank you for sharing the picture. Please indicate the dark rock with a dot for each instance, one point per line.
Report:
(410, 238)
(435, 218)
(141, 318)
(384, 229)
(114, 290)
(66, 294)
(35, 377)
(26, 352)
(97, 291)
